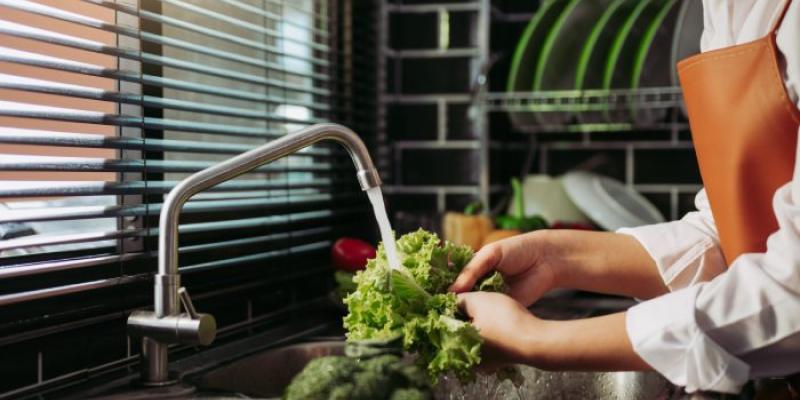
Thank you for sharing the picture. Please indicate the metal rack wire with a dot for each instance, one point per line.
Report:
(585, 100)
(579, 102)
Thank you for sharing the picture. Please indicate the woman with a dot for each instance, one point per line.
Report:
(723, 283)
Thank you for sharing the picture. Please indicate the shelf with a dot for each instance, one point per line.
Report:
(586, 100)
(437, 144)
(433, 53)
(575, 103)
(438, 189)
(602, 127)
(428, 8)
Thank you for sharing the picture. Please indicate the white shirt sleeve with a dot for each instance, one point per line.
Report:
(685, 251)
(744, 323)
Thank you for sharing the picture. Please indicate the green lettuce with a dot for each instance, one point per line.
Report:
(429, 323)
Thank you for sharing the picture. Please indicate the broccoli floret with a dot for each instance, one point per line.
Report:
(320, 377)
(415, 376)
(410, 394)
(342, 392)
(375, 378)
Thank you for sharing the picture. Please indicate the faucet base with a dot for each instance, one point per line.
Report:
(140, 392)
(154, 365)
(168, 382)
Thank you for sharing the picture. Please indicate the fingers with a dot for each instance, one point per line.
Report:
(468, 302)
(473, 303)
(463, 303)
(484, 261)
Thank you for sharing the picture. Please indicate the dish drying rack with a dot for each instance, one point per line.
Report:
(576, 103)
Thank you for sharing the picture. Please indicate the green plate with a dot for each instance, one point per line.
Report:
(618, 68)
(653, 56)
(520, 75)
(556, 66)
(595, 50)
(549, 41)
(523, 52)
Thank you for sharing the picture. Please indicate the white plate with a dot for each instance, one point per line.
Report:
(545, 196)
(608, 202)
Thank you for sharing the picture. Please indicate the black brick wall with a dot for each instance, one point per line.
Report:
(660, 163)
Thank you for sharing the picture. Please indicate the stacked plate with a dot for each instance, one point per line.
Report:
(603, 45)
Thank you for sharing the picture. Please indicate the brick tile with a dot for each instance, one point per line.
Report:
(666, 166)
(686, 203)
(413, 31)
(661, 201)
(412, 121)
(19, 366)
(440, 167)
(463, 29)
(459, 125)
(441, 75)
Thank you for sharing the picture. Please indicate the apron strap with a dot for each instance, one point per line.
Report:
(778, 21)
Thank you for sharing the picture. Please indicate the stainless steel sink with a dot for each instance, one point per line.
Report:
(267, 374)
(538, 384)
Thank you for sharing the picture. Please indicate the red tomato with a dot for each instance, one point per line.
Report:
(350, 254)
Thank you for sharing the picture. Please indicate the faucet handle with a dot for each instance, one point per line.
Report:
(186, 300)
(199, 328)
(190, 328)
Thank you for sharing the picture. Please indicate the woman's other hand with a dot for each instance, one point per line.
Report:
(537, 262)
(505, 325)
(520, 260)
(512, 335)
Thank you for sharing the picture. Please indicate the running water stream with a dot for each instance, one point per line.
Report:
(387, 236)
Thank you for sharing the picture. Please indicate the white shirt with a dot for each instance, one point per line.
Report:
(719, 327)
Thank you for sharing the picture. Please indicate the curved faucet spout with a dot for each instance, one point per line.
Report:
(167, 281)
(168, 224)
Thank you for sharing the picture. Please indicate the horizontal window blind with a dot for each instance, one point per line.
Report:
(105, 105)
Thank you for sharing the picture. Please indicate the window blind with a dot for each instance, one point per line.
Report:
(105, 105)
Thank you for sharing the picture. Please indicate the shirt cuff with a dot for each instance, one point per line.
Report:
(683, 255)
(664, 334)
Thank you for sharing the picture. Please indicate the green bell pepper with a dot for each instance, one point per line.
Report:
(518, 220)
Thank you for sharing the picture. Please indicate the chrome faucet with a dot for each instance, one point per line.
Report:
(166, 324)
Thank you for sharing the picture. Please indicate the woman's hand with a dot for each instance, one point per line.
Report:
(505, 325)
(512, 335)
(536, 262)
(521, 261)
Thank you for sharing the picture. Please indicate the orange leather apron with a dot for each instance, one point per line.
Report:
(744, 128)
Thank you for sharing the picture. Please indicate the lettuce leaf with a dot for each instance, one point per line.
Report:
(428, 324)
